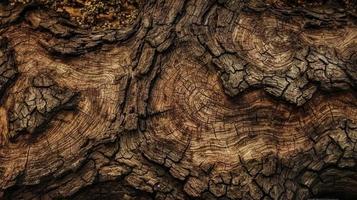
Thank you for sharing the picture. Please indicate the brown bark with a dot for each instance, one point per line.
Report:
(194, 100)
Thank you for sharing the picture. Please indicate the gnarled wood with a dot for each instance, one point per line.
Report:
(190, 100)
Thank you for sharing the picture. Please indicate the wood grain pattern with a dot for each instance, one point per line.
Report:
(192, 100)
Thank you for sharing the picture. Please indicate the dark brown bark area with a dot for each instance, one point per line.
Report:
(194, 100)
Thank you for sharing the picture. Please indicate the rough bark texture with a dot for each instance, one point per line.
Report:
(197, 99)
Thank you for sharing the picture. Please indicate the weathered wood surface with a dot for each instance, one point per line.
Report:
(197, 99)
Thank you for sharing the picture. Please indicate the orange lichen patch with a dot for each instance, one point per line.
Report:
(305, 3)
(74, 12)
(3, 126)
(97, 14)
(104, 13)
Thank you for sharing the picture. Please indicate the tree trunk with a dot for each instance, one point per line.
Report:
(194, 99)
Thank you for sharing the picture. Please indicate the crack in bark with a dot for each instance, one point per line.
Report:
(175, 106)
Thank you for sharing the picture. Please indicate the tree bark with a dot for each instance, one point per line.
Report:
(195, 99)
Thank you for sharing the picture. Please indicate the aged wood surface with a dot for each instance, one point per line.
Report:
(193, 99)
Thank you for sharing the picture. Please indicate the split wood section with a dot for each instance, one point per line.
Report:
(192, 100)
